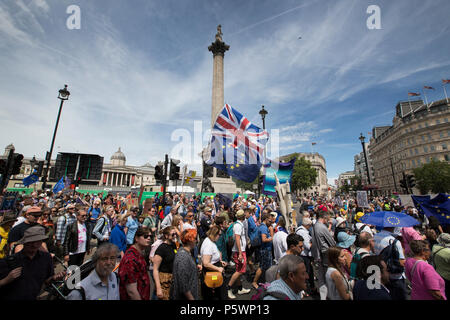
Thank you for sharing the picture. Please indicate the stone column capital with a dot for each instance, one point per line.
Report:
(218, 48)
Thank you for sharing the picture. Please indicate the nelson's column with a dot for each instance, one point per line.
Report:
(220, 180)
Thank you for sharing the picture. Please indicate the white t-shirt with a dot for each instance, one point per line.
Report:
(238, 229)
(187, 226)
(82, 238)
(209, 248)
(279, 244)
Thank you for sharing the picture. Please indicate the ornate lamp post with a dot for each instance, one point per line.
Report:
(361, 138)
(63, 96)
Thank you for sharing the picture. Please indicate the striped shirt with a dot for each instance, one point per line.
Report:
(61, 226)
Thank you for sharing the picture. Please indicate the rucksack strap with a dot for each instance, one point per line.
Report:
(276, 295)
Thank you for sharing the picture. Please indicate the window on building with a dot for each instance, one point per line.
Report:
(429, 137)
(441, 134)
(419, 126)
(426, 124)
(432, 148)
(446, 120)
(425, 149)
(414, 140)
(413, 163)
(417, 151)
(444, 146)
(410, 152)
(419, 163)
(447, 157)
(423, 138)
(438, 121)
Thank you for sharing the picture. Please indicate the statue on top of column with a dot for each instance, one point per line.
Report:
(219, 33)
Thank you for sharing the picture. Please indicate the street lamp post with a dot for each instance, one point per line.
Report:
(32, 163)
(361, 138)
(63, 96)
(263, 112)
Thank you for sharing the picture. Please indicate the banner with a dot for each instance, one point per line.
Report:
(361, 199)
(284, 174)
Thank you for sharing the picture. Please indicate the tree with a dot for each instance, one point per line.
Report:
(433, 176)
(304, 175)
(245, 185)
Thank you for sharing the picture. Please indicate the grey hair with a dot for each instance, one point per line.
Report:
(104, 248)
(289, 263)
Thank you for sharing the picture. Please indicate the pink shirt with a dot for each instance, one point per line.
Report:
(425, 278)
(409, 234)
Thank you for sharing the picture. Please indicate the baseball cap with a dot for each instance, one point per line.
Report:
(35, 211)
(240, 214)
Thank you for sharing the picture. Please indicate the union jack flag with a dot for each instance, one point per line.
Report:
(445, 81)
(240, 133)
(429, 88)
(413, 94)
(236, 146)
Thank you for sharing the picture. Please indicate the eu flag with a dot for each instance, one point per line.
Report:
(237, 146)
(59, 186)
(439, 206)
(32, 178)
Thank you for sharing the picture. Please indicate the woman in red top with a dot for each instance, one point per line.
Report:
(133, 270)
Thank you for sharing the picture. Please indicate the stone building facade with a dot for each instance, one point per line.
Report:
(419, 134)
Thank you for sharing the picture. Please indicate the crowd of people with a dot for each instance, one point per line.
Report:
(188, 248)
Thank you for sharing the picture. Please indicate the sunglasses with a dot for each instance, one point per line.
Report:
(146, 236)
(173, 234)
(83, 216)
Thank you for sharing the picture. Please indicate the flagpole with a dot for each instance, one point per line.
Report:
(445, 91)
(426, 100)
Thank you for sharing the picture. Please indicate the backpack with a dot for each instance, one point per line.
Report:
(433, 255)
(101, 229)
(229, 235)
(262, 292)
(390, 255)
(354, 265)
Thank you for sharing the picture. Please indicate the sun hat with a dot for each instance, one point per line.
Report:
(339, 221)
(240, 214)
(208, 209)
(9, 216)
(345, 240)
(36, 233)
(274, 214)
(444, 240)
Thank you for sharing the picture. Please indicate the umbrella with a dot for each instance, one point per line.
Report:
(389, 219)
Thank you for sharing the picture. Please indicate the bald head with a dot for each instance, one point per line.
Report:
(364, 239)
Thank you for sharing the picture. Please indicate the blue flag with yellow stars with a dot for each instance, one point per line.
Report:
(233, 161)
(438, 207)
(237, 146)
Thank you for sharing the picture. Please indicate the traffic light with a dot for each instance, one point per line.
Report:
(411, 181)
(39, 167)
(16, 163)
(159, 172)
(403, 184)
(174, 171)
(2, 166)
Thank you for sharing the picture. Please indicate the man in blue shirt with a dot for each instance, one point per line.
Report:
(265, 258)
(132, 226)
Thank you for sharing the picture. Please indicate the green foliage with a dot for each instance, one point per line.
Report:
(433, 176)
(304, 175)
(245, 185)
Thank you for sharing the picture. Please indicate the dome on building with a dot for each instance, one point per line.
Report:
(118, 158)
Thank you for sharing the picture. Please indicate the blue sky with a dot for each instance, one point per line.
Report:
(139, 70)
